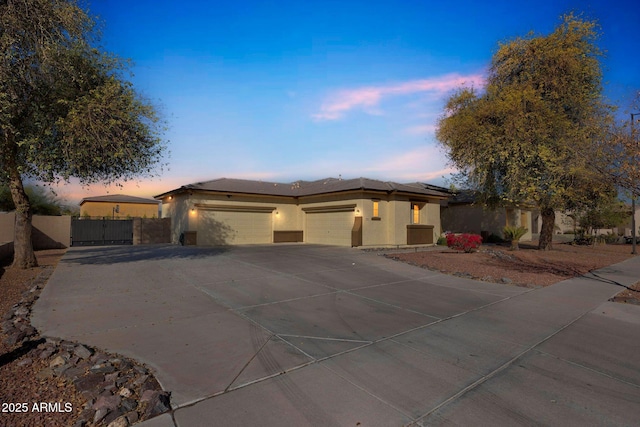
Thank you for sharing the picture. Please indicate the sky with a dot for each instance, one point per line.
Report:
(303, 90)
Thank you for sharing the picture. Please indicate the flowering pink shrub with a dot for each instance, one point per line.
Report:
(464, 242)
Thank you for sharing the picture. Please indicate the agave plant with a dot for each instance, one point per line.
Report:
(514, 234)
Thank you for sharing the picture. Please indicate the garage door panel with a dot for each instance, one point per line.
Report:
(224, 228)
(329, 228)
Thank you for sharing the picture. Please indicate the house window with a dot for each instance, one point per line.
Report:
(376, 208)
(415, 213)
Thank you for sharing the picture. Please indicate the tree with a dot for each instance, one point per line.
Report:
(42, 201)
(66, 109)
(620, 151)
(522, 138)
(604, 213)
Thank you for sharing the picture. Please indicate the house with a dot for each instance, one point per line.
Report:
(626, 227)
(564, 223)
(119, 206)
(333, 211)
(462, 214)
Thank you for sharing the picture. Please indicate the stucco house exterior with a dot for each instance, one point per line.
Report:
(462, 214)
(345, 212)
(119, 206)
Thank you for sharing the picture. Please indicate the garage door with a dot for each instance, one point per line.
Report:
(228, 227)
(329, 228)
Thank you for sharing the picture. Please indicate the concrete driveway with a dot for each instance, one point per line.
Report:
(313, 335)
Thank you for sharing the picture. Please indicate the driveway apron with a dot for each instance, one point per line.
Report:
(316, 335)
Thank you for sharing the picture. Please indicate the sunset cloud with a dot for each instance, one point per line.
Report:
(421, 130)
(369, 98)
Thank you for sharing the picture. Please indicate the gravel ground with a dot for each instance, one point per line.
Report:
(527, 267)
(51, 382)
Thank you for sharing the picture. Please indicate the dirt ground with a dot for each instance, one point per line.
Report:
(20, 381)
(527, 267)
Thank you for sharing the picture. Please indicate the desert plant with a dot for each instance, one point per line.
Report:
(464, 242)
(442, 241)
(514, 234)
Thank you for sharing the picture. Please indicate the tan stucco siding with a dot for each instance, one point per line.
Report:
(288, 214)
(432, 217)
(375, 230)
(126, 210)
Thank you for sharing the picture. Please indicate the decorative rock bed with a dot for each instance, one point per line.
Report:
(119, 391)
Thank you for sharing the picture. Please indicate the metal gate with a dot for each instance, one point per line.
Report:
(94, 232)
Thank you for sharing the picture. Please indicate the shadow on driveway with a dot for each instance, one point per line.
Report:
(101, 255)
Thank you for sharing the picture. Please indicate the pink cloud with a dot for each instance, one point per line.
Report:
(368, 98)
(421, 130)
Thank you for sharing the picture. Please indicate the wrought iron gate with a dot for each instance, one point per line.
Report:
(94, 232)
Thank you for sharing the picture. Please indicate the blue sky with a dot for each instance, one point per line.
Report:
(288, 90)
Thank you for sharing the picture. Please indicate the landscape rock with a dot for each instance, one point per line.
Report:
(102, 368)
(100, 414)
(21, 311)
(82, 352)
(112, 416)
(124, 392)
(15, 337)
(121, 421)
(110, 402)
(128, 405)
(90, 381)
(57, 361)
(132, 416)
(110, 383)
(158, 404)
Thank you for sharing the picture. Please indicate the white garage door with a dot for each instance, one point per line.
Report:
(225, 228)
(329, 228)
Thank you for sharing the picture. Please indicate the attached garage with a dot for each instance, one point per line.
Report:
(223, 225)
(329, 225)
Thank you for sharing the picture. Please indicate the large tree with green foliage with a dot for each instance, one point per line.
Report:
(66, 109)
(621, 151)
(523, 138)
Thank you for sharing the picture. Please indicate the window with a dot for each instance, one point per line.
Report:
(376, 209)
(415, 213)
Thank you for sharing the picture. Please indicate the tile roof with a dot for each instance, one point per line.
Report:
(119, 198)
(307, 188)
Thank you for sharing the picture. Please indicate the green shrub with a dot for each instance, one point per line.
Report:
(442, 241)
(513, 234)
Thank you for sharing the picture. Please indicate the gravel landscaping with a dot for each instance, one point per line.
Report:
(527, 267)
(53, 382)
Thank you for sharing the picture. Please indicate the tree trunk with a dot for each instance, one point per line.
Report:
(23, 256)
(546, 234)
